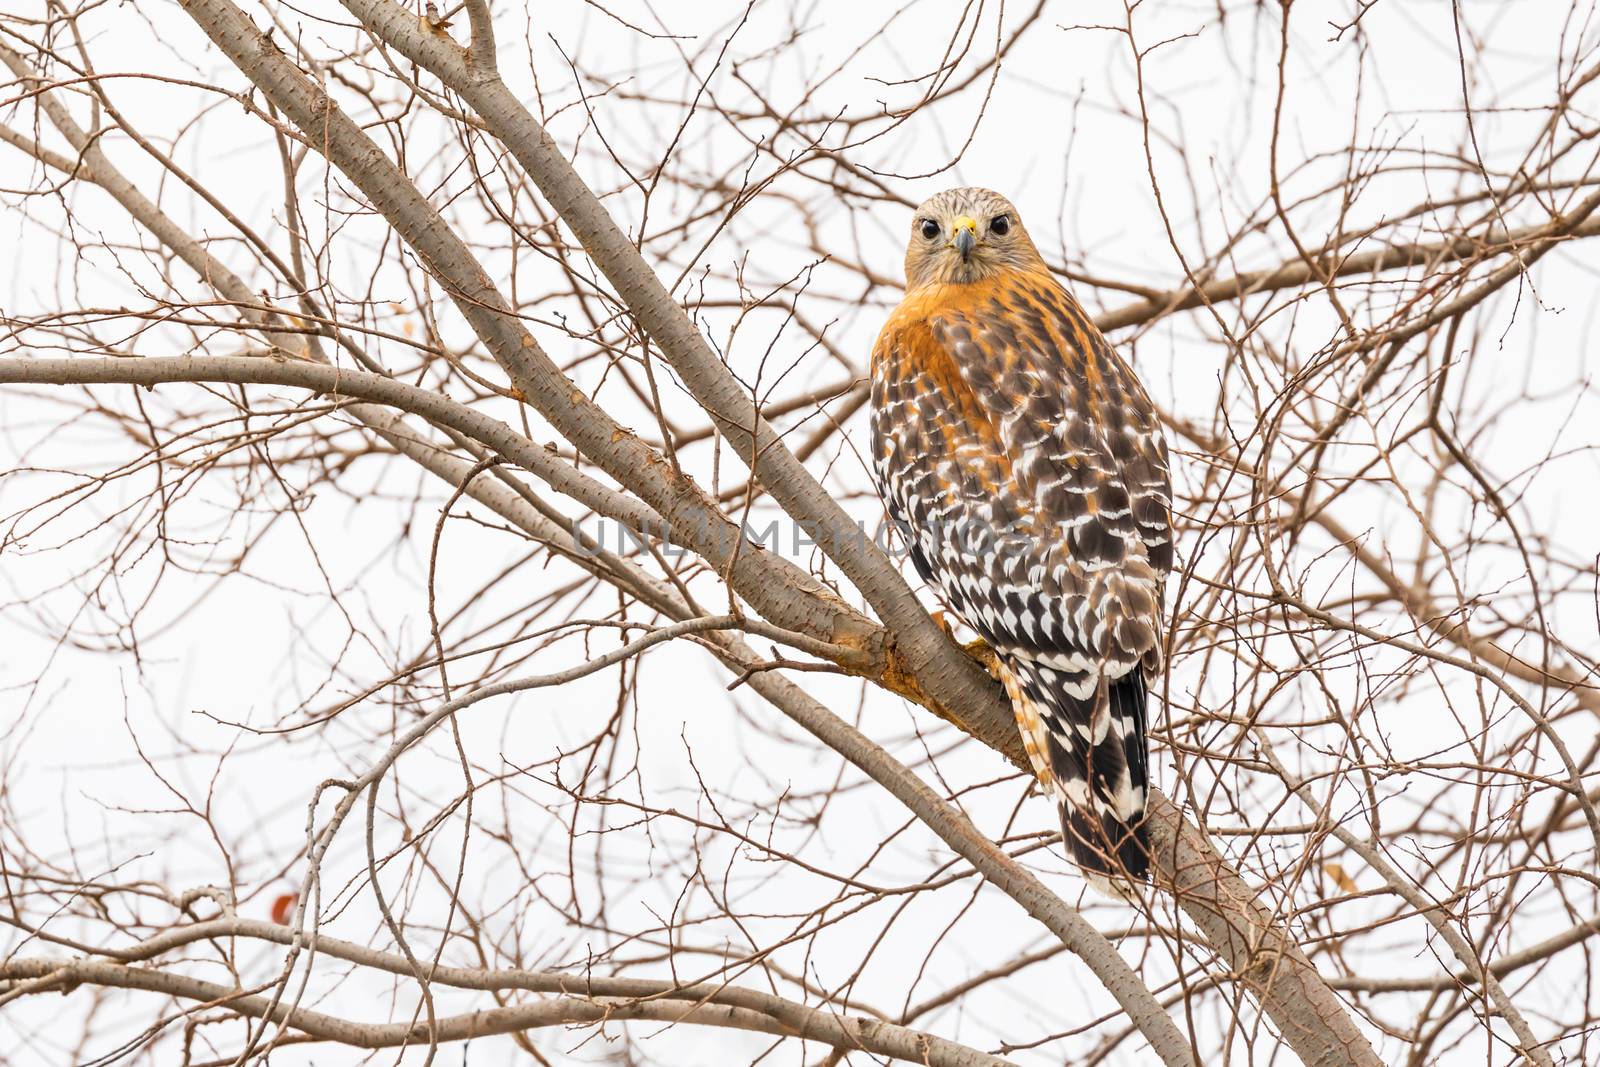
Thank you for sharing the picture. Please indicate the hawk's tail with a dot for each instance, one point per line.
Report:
(1090, 751)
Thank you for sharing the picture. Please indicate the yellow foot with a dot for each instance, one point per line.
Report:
(986, 657)
(978, 650)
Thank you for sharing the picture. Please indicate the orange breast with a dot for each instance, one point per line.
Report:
(913, 364)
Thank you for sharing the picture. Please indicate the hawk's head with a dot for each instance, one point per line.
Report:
(967, 235)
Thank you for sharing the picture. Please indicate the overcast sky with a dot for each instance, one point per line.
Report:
(1056, 136)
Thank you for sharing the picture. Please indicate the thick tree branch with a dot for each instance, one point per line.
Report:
(948, 682)
(776, 587)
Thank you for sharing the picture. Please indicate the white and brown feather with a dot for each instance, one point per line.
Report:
(1030, 472)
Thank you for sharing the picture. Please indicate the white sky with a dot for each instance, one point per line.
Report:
(1055, 137)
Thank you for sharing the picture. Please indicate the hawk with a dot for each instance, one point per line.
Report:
(1026, 466)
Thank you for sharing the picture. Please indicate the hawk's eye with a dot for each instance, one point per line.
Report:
(1000, 225)
(929, 229)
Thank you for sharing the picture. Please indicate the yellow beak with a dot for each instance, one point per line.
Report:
(964, 234)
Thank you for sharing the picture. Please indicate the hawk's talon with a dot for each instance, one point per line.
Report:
(986, 656)
(979, 650)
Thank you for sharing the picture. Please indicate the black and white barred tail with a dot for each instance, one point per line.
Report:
(1086, 738)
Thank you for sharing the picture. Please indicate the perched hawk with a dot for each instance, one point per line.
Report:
(1026, 466)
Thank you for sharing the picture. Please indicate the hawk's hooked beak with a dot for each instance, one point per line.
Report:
(966, 235)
